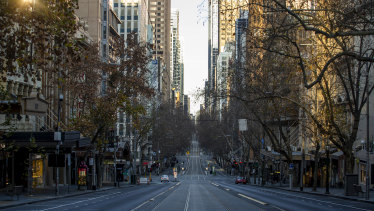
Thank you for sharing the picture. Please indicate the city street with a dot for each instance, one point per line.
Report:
(197, 189)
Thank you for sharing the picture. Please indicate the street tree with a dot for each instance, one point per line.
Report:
(342, 31)
(126, 84)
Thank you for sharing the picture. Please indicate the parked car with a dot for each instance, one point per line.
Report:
(241, 180)
(164, 178)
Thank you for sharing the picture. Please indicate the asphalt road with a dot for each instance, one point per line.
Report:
(195, 189)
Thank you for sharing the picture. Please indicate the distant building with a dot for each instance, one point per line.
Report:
(186, 104)
(159, 12)
(177, 66)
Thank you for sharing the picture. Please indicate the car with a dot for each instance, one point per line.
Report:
(164, 178)
(241, 180)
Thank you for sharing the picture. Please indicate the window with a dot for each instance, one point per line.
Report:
(104, 15)
(121, 117)
(104, 50)
(135, 17)
(115, 4)
(103, 87)
(135, 30)
(104, 32)
(121, 129)
(135, 11)
(122, 30)
(129, 24)
(128, 11)
(122, 17)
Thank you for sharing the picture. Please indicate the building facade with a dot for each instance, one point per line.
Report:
(159, 13)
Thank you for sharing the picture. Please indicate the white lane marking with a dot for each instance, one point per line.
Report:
(152, 199)
(278, 208)
(327, 202)
(79, 202)
(316, 200)
(187, 200)
(140, 205)
(250, 198)
(215, 184)
(227, 189)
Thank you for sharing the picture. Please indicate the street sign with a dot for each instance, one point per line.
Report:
(291, 166)
(243, 125)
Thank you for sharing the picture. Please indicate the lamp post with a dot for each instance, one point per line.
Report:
(29, 177)
(116, 182)
(327, 169)
(367, 195)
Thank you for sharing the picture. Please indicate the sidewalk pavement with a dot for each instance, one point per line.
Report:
(40, 195)
(334, 192)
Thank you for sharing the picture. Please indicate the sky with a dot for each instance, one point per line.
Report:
(194, 33)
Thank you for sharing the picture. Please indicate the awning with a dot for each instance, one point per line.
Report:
(44, 139)
(337, 154)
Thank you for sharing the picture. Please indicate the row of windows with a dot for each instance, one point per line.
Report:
(158, 19)
(129, 30)
(129, 17)
(156, 3)
(124, 4)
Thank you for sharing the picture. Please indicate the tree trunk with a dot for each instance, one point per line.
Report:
(349, 162)
(99, 170)
(315, 170)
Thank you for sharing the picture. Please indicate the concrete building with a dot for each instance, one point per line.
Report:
(186, 104)
(222, 81)
(159, 12)
(134, 17)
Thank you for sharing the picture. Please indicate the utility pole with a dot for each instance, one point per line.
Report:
(58, 137)
(115, 164)
(367, 151)
(327, 148)
(302, 156)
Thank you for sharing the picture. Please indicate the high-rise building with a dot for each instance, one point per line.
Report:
(222, 17)
(229, 11)
(186, 104)
(159, 13)
(134, 16)
(176, 57)
(213, 46)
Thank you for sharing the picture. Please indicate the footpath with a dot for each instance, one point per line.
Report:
(40, 195)
(334, 192)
